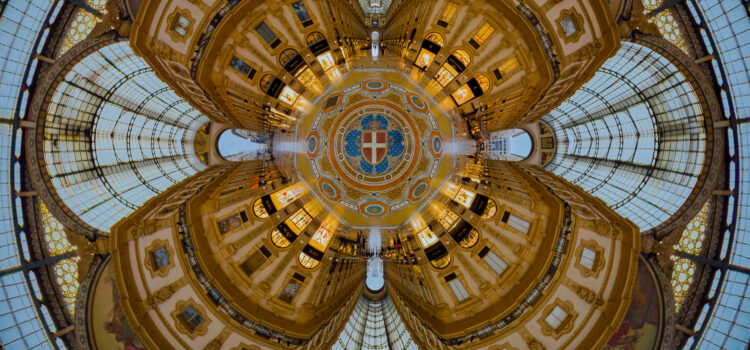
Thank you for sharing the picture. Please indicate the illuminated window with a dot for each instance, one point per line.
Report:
(556, 318)
(81, 26)
(424, 58)
(490, 210)
(300, 219)
(442, 262)
(470, 240)
(506, 68)
(473, 88)
(323, 235)
(288, 95)
(458, 61)
(259, 209)
(287, 195)
(448, 219)
(436, 38)
(482, 35)
(306, 77)
(427, 237)
(448, 13)
(691, 242)
(464, 197)
(307, 261)
(463, 94)
(278, 239)
(326, 60)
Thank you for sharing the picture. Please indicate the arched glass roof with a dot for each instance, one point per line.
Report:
(116, 135)
(633, 136)
(374, 325)
(26, 321)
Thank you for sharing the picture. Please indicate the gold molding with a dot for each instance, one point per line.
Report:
(567, 324)
(577, 21)
(598, 261)
(172, 21)
(180, 325)
(149, 258)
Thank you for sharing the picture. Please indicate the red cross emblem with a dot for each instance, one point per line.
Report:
(374, 146)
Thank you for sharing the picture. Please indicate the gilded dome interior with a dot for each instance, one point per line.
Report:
(374, 174)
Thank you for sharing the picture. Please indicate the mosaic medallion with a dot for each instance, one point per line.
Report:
(374, 150)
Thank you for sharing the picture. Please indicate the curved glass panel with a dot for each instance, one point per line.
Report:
(116, 135)
(375, 325)
(21, 23)
(727, 27)
(633, 136)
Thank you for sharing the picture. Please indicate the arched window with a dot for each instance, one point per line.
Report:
(318, 45)
(633, 136)
(240, 145)
(509, 144)
(473, 88)
(456, 63)
(435, 38)
(430, 47)
(276, 88)
(314, 38)
(291, 60)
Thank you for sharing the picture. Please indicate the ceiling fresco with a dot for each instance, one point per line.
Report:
(375, 148)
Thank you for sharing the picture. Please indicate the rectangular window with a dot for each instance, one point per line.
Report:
(556, 318)
(239, 65)
(458, 289)
(291, 288)
(301, 11)
(464, 197)
(300, 219)
(288, 95)
(447, 219)
(588, 258)
(448, 13)
(265, 32)
(160, 257)
(426, 237)
(568, 26)
(326, 60)
(230, 223)
(191, 318)
(495, 263)
(482, 35)
(425, 292)
(181, 25)
(424, 59)
(516, 222)
(253, 263)
(446, 74)
(508, 67)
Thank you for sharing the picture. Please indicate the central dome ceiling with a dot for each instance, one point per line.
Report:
(374, 148)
